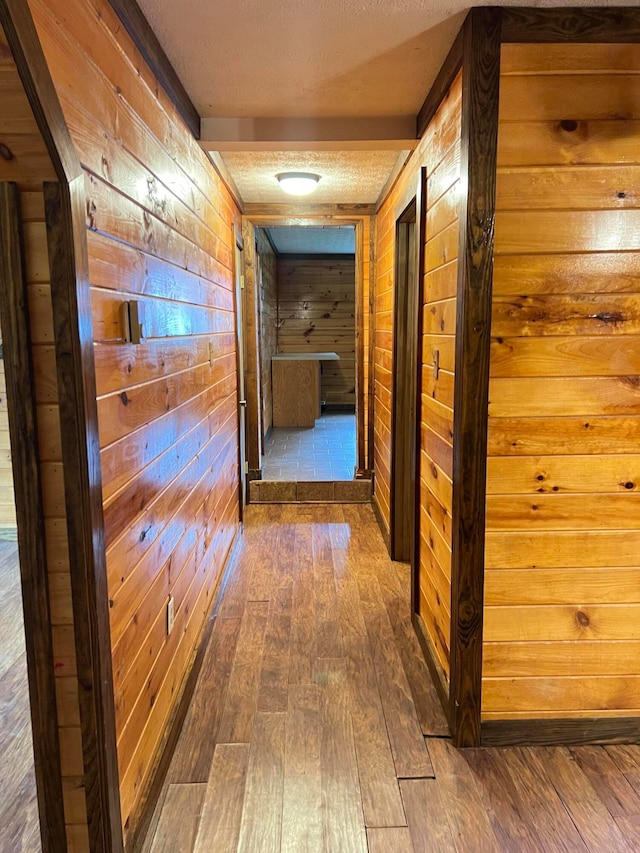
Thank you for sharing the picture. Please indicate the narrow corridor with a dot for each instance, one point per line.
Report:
(314, 725)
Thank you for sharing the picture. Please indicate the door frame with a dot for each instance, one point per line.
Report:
(287, 216)
(405, 338)
(242, 401)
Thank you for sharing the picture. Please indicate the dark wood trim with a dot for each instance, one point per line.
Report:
(146, 41)
(403, 382)
(74, 359)
(381, 522)
(441, 85)
(437, 675)
(613, 24)
(567, 732)
(70, 296)
(23, 40)
(361, 459)
(312, 256)
(141, 820)
(373, 236)
(307, 210)
(480, 93)
(237, 233)
(242, 393)
(20, 393)
(250, 321)
(421, 219)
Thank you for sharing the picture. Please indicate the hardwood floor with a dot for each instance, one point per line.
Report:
(19, 826)
(315, 727)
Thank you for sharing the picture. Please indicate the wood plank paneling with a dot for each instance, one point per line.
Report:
(561, 585)
(439, 152)
(316, 313)
(160, 231)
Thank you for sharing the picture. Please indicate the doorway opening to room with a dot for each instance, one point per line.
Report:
(308, 355)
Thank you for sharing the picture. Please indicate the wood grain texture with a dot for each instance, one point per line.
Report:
(316, 313)
(268, 283)
(560, 328)
(481, 84)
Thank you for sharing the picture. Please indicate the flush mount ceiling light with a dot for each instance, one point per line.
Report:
(298, 183)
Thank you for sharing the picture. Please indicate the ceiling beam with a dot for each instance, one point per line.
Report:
(381, 133)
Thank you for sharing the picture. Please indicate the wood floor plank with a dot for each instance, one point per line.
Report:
(274, 676)
(342, 816)
(242, 693)
(303, 616)
(224, 798)
(625, 756)
(179, 820)
(328, 634)
(193, 755)
(428, 825)
(629, 826)
(302, 797)
(261, 826)
(610, 784)
(381, 800)
(461, 799)
(405, 734)
(555, 831)
(389, 840)
(591, 817)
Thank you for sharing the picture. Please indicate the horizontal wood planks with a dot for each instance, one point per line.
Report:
(160, 231)
(560, 587)
(316, 313)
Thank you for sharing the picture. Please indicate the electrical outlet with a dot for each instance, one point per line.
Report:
(171, 614)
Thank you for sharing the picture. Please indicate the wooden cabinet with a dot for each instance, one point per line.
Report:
(296, 388)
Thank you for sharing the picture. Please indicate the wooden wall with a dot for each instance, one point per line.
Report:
(268, 310)
(316, 313)
(160, 231)
(29, 167)
(7, 498)
(563, 509)
(439, 152)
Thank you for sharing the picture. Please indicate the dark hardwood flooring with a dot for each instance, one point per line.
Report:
(315, 727)
(19, 825)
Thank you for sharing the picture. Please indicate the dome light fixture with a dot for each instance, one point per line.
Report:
(298, 183)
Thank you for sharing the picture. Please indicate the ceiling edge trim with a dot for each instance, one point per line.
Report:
(144, 38)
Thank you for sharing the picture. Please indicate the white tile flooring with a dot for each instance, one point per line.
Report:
(326, 452)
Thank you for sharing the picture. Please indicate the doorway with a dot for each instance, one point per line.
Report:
(403, 454)
(242, 401)
(306, 283)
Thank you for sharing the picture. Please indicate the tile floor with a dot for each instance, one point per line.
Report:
(326, 452)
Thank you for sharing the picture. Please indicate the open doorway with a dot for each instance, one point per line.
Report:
(307, 342)
(403, 481)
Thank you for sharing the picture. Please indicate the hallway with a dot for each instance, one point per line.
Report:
(314, 725)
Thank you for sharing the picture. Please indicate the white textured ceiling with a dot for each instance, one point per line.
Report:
(330, 59)
(313, 241)
(347, 177)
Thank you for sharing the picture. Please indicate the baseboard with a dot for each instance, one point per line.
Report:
(382, 524)
(565, 732)
(141, 820)
(435, 670)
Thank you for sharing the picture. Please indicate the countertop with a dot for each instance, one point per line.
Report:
(306, 356)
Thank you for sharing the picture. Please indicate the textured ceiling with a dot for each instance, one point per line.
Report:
(310, 57)
(346, 177)
(313, 241)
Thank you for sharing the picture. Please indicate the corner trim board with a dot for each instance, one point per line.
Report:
(20, 394)
(597, 25)
(480, 97)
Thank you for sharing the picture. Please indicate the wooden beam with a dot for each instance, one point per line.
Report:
(480, 94)
(70, 296)
(441, 85)
(602, 25)
(295, 211)
(147, 43)
(20, 393)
